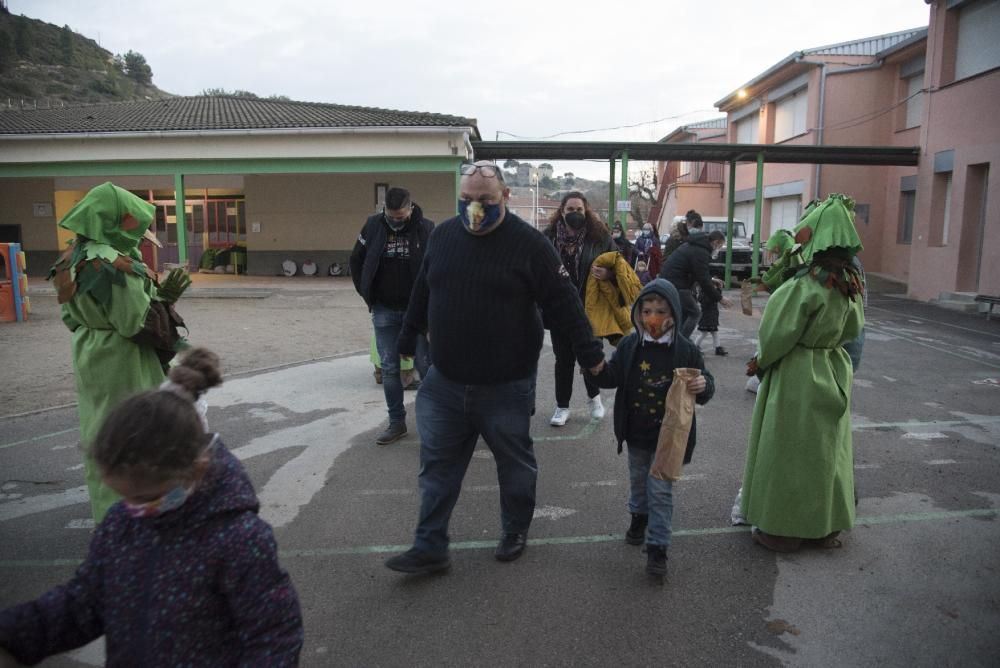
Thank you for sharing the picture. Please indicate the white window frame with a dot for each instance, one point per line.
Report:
(914, 100)
(977, 49)
(789, 208)
(790, 115)
(907, 216)
(745, 211)
(748, 129)
(946, 218)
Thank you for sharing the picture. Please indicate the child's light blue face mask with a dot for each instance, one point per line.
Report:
(172, 500)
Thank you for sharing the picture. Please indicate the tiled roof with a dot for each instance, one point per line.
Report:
(178, 114)
(713, 124)
(869, 46)
(872, 47)
(707, 125)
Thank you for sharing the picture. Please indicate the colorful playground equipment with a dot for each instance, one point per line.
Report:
(14, 304)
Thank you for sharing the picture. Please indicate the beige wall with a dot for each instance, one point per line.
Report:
(236, 145)
(16, 199)
(326, 211)
(705, 198)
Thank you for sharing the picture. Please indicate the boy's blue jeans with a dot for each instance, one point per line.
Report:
(451, 417)
(649, 495)
(388, 323)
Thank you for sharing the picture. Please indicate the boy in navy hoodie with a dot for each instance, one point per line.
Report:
(642, 370)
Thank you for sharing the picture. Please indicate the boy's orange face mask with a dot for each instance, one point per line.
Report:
(657, 324)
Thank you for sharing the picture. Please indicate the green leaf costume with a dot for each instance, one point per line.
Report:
(799, 476)
(106, 294)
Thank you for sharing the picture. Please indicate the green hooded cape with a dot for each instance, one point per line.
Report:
(110, 297)
(799, 477)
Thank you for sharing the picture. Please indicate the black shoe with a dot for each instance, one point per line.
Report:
(656, 560)
(392, 433)
(413, 386)
(414, 561)
(511, 546)
(720, 351)
(636, 533)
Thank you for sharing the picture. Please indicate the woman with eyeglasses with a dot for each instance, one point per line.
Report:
(579, 237)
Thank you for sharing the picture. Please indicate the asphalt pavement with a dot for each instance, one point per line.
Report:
(916, 583)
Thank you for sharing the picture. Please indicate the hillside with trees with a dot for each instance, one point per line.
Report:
(45, 65)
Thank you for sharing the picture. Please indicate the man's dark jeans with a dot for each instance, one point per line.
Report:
(388, 323)
(451, 417)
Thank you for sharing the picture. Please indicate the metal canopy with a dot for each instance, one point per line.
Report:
(900, 156)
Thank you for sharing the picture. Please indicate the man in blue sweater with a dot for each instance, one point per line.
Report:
(484, 277)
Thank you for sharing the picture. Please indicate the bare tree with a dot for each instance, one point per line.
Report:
(642, 193)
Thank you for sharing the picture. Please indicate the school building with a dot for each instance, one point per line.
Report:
(935, 226)
(284, 180)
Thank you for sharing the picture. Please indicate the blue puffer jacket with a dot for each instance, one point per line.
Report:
(617, 372)
(197, 586)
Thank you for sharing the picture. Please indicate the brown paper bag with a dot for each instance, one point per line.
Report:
(673, 439)
(746, 294)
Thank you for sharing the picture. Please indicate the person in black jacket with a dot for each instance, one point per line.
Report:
(484, 278)
(384, 264)
(686, 268)
(579, 236)
(642, 368)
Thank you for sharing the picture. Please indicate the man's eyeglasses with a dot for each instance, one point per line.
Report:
(489, 171)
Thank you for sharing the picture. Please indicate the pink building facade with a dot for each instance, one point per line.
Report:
(935, 226)
(955, 241)
(685, 185)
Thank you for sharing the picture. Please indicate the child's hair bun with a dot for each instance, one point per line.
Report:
(198, 371)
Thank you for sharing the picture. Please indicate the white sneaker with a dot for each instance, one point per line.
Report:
(596, 408)
(753, 382)
(559, 417)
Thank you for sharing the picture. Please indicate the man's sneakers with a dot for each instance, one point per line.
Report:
(656, 561)
(418, 563)
(511, 546)
(392, 433)
(596, 407)
(636, 533)
(559, 417)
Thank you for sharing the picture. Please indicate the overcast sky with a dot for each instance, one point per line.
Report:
(530, 69)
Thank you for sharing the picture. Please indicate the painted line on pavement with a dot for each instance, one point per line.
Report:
(935, 347)
(932, 423)
(588, 429)
(918, 320)
(554, 540)
(41, 437)
(237, 374)
(40, 503)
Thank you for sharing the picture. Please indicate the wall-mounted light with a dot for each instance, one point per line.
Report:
(741, 93)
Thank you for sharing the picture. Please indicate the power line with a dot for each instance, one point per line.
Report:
(620, 127)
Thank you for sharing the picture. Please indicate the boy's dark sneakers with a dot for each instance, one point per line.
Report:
(656, 560)
(636, 533)
(419, 563)
(511, 546)
(720, 351)
(392, 433)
